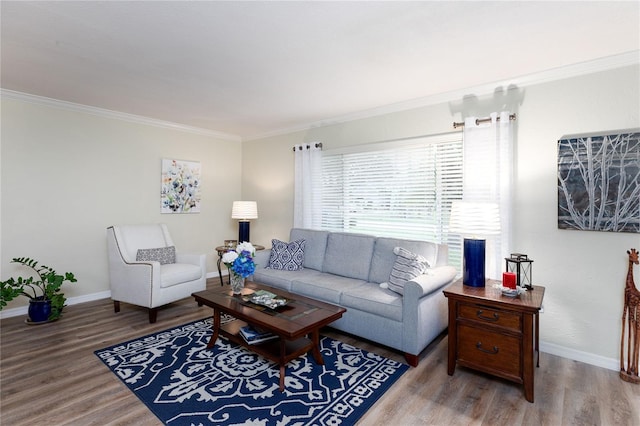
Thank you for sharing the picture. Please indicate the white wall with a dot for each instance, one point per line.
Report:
(583, 272)
(67, 175)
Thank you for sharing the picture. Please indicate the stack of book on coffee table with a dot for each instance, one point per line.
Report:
(254, 335)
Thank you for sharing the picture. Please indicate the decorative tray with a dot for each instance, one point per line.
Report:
(511, 292)
(268, 299)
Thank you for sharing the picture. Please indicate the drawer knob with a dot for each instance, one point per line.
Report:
(494, 317)
(487, 351)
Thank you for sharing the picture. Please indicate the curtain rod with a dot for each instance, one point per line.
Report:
(318, 145)
(482, 120)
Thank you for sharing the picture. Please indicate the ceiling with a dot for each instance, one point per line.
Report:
(255, 68)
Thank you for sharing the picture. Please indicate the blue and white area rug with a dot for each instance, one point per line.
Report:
(184, 383)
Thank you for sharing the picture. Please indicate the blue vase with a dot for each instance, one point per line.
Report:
(39, 310)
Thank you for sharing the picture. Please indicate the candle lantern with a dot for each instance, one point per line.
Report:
(520, 264)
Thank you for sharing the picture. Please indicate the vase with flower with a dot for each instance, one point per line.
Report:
(241, 265)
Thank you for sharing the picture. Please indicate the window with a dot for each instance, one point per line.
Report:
(400, 189)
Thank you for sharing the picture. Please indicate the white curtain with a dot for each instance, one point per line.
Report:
(306, 204)
(488, 176)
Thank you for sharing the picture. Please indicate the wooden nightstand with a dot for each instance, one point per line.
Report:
(493, 333)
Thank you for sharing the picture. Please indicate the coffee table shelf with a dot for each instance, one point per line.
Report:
(270, 349)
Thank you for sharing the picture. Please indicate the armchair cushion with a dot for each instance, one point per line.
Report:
(177, 273)
(163, 255)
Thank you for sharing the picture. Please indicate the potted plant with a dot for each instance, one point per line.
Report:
(46, 301)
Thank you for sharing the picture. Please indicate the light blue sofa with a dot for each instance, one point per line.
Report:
(346, 269)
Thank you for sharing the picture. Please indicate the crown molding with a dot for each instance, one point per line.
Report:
(106, 113)
(560, 73)
(574, 70)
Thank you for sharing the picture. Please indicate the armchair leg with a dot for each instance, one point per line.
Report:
(153, 315)
(116, 306)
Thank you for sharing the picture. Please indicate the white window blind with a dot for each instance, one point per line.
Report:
(402, 189)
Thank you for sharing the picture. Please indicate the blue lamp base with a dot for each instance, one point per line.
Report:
(243, 231)
(473, 269)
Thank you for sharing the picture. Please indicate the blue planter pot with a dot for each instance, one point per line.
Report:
(39, 310)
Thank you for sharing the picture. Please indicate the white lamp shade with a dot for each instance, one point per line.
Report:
(244, 210)
(474, 218)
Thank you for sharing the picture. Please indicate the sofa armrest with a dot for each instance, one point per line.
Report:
(433, 280)
(424, 308)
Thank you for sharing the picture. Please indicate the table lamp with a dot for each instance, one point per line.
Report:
(474, 221)
(244, 211)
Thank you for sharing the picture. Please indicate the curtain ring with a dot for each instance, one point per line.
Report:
(301, 147)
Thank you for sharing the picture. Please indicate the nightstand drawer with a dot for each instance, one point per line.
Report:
(483, 314)
(492, 352)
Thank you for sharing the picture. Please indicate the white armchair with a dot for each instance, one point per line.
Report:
(157, 278)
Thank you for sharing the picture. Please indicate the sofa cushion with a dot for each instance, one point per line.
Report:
(371, 298)
(383, 257)
(349, 255)
(178, 273)
(408, 265)
(283, 279)
(286, 256)
(325, 287)
(163, 255)
(315, 246)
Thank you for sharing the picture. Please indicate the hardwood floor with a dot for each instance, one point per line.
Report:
(50, 376)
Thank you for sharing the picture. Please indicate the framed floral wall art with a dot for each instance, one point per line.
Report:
(180, 187)
(599, 182)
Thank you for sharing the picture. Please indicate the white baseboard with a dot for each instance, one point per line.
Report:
(587, 358)
(14, 312)
(22, 310)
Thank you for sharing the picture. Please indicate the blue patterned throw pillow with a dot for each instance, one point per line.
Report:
(287, 256)
(163, 255)
(408, 265)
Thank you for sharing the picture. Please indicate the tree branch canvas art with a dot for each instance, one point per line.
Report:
(599, 182)
(180, 187)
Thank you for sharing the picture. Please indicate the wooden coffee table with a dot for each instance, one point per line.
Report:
(297, 324)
